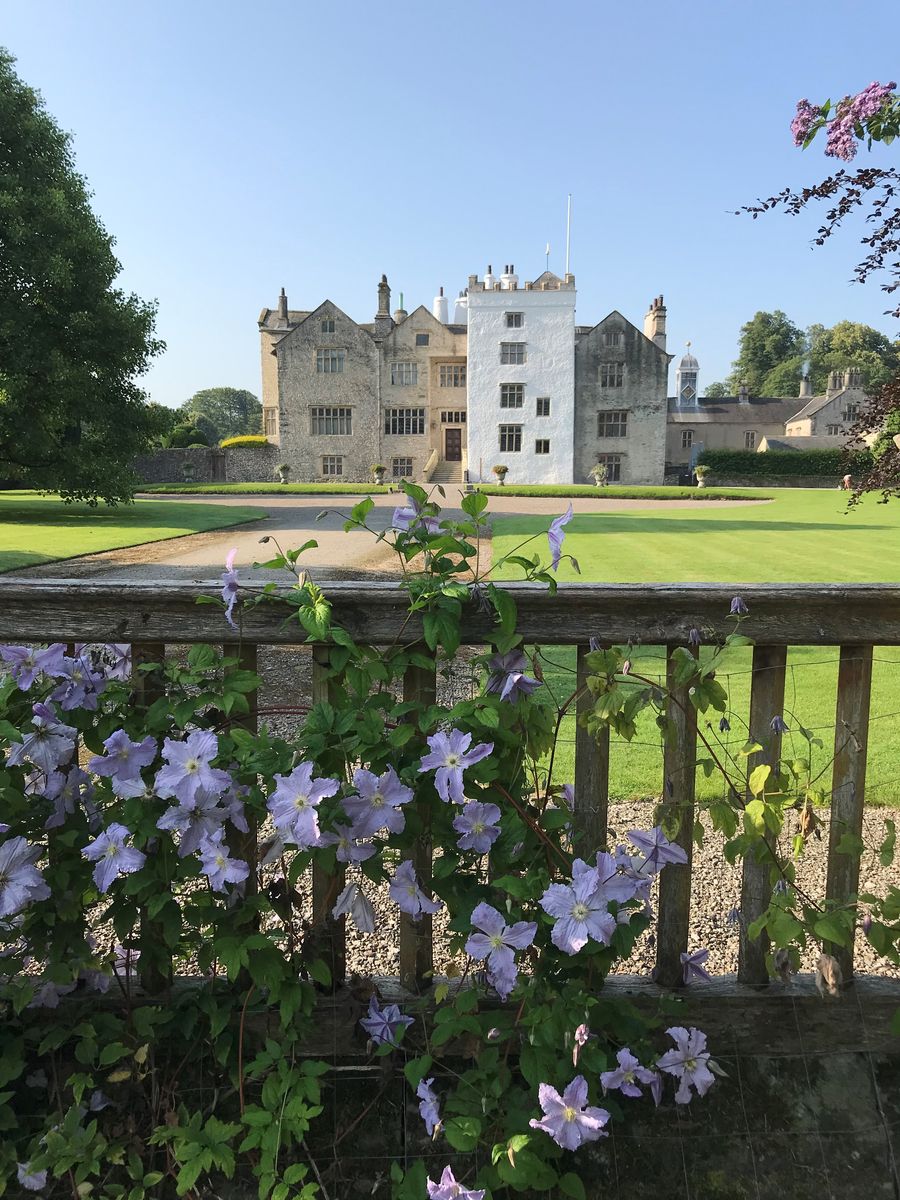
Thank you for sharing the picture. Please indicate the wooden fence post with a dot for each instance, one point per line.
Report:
(327, 887)
(148, 686)
(416, 948)
(591, 772)
(848, 784)
(766, 702)
(679, 775)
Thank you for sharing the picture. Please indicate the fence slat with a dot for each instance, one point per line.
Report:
(326, 887)
(848, 780)
(155, 963)
(766, 701)
(591, 774)
(679, 769)
(246, 845)
(416, 948)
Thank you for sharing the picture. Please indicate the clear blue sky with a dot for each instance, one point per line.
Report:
(233, 148)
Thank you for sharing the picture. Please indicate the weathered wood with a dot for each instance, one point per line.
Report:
(245, 844)
(416, 949)
(848, 780)
(155, 963)
(591, 772)
(655, 614)
(679, 776)
(327, 886)
(766, 702)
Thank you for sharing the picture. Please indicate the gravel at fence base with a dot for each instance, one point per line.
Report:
(716, 885)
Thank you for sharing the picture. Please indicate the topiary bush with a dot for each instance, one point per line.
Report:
(246, 439)
(184, 436)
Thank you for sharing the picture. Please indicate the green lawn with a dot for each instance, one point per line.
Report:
(800, 536)
(38, 529)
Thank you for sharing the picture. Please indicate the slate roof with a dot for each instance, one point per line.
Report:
(731, 410)
(817, 441)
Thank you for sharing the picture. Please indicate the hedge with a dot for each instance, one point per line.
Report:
(246, 439)
(816, 464)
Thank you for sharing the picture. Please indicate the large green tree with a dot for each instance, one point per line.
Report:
(767, 340)
(229, 411)
(71, 343)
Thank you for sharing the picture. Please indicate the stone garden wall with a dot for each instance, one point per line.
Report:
(208, 464)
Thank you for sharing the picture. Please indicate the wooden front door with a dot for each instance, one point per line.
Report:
(453, 445)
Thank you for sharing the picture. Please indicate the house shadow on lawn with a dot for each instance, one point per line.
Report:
(15, 560)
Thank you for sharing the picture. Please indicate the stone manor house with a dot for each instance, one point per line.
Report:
(511, 380)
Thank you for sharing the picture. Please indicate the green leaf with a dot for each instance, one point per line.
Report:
(320, 972)
(416, 1070)
(112, 1053)
(571, 1185)
(462, 1132)
(759, 777)
(886, 852)
(831, 928)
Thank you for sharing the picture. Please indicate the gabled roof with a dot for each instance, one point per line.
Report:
(548, 277)
(269, 319)
(316, 312)
(816, 404)
(589, 330)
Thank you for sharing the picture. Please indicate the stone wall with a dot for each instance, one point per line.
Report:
(209, 464)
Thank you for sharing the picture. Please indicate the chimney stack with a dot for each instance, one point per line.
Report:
(655, 322)
(383, 322)
(283, 306)
(805, 387)
(440, 308)
(743, 394)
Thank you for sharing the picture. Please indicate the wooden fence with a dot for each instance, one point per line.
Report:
(853, 617)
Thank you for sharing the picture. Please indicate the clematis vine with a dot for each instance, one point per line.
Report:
(51, 744)
(112, 856)
(377, 802)
(188, 768)
(688, 1062)
(230, 587)
(496, 942)
(123, 761)
(429, 1106)
(21, 883)
(507, 676)
(353, 900)
(556, 535)
(692, 966)
(478, 826)
(217, 864)
(568, 1118)
(626, 1077)
(294, 802)
(449, 1188)
(656, 847)
(28, 663)
(349, 848)
(449, 756)
(581, 910)
(404, 890)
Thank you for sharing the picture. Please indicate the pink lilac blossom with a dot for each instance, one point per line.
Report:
(429, 1106)
(850, 117)
(230, 587)
(806, 116)
(404, 890)
(294, 801)
(124, 759)
(450, 1189)
(217, 865)
(626, 1077)
(21, 882)
(188, 771)
(496, 942)
(556, 536)
(449, 756)
(688, 1062)
(478, 826)
(568, 1118)
(507, 676)
(353, 900)
(51, 744)
(383, 1024)
(377, 804)
(112, 856)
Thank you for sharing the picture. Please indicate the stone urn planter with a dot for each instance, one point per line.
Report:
(600, 474)
(501, 473)
(701, 473)
(283, 473)
(378, 473)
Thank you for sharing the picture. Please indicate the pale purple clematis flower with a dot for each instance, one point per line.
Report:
(27, 663)
(118, 660)
(450, 1189)
(738, 607)
(404, 890)
(67, 790)
(496, 943)
(450, 755)
(216, 864)
(377, 803)
(429, 1106)
(353, 900)
(692, 965)
(49, 994)
(411, 519)
(555, 536)
(349, 848)
(20, 880)
(568, 795)
(612, 884)
(80, 685)
(31, 1181)
(688, 1062)
(187, 770)
(656, 847)
(124, 759)
(382, 1024)
(230, 587)
(778, 725)
(567, 1118)
(202, 818)
(508, 676)
(51, 744)
(580, 910)
(582, 1034)
(294, 802)
(112, 856)
(627, 1076)
(477, 823)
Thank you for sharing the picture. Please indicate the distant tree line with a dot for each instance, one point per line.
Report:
(208, 417)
